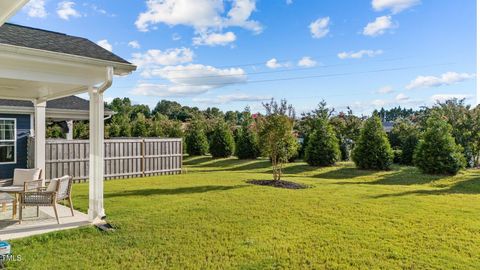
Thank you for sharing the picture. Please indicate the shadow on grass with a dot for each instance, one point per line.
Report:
(174, 191)
(345, 173)
(470, 186)
(196, 160)
(253, 164)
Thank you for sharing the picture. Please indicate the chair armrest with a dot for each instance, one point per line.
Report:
(32, 185)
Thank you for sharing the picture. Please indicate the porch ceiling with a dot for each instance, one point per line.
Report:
(34, 74)
(9, 7)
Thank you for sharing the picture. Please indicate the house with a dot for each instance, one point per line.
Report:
(17, 118)
(39, 66)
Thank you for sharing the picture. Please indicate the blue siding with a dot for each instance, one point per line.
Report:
(23, 131)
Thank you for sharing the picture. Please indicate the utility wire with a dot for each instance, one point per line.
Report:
(319, 76)
(261, 72)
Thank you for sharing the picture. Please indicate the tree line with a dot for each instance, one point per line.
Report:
(424, 137)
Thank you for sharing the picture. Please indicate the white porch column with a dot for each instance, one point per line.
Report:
(40, 127)
(95, 208)
(70, 130)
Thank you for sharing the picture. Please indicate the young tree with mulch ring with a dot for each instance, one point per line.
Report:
(277, 141)
(372, 150)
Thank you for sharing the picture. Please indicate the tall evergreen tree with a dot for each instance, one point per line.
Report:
(372, 150)
(323, 148)
(222, 144)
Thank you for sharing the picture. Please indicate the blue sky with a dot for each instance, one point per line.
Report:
(360, 53)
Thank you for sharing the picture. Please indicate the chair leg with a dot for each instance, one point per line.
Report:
(56, 213)
(38, 211)
(20, 216)
(71, 205)
(4, 207)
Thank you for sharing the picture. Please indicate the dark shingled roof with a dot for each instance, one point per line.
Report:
(29, 37)
(66, 103)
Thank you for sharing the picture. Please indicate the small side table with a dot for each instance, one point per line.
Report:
(7, 198)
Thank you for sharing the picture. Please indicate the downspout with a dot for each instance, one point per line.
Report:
(108, 81)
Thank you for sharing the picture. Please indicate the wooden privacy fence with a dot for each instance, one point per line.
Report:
(124, 158)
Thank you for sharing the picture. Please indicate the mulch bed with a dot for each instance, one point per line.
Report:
(278, 184)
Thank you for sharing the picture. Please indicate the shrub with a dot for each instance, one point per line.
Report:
(277, 141)
(437, 152)
(372, 150)
(195, 140)
(222, 143)
(397, 156)
(247, 144)
(408, 148)
(323, 148)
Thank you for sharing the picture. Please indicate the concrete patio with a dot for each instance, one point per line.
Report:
(44, 223)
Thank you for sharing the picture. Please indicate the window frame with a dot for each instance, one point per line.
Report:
(14, 141)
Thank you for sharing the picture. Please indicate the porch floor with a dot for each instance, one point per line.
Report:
(46, 222)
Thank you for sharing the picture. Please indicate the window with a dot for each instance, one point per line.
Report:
(8, 137)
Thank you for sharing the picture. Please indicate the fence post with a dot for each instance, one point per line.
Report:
(143, 158)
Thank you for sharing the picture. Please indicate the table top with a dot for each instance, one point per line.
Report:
(5, 198)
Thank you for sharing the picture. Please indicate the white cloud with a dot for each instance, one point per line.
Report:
(66, 10)
(192, 79)
(163, 58)
(307, 62)
(379, 26)
(445, 97)
(134, 44)
(395, 6)
(402, 97)
(385, 90)
(319, 28)
(447, 78)
(273, 64)
(231, 98)
(36, 9)
(359, 54)
(205, 16)
(105, 44)
(214, 39)
(289, 2)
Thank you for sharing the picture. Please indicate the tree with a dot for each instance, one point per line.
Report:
(55, 132)
(141, 127)
(247, 144)
(404, 137)
(195, 140)
(277, 141)
(437, 152)
(372, 150)
(323, 148)
(222, 144)
(81, 130)
(475, 114)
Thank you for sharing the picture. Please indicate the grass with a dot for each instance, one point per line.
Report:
(210, 218)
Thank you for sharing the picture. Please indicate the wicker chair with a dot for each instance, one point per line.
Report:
(24, 180)
(59, 189)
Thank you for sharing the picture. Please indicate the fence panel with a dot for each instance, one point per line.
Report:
(124, 158)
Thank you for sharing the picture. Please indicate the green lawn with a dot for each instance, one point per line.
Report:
(210, 218)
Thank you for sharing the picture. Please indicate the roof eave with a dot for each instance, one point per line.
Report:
(120, 69)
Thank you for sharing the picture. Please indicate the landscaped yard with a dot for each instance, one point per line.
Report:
(211, 218)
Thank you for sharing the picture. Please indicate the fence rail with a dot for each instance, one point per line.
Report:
(124, 158)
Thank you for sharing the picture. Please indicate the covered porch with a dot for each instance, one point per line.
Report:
(41, 71)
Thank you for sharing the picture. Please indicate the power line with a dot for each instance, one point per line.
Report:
(319, 76)
(264, 62)
(264, 72)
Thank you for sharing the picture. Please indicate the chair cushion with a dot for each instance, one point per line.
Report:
(22, 175)
(63, 185)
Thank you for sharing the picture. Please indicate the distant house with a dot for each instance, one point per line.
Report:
(17, 124)
(388, 126)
